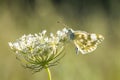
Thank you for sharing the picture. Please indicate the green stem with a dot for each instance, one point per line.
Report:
(49, 73)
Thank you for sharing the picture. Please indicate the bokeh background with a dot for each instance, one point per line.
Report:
(19, 17)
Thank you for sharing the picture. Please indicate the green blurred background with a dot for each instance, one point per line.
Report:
(18, 17)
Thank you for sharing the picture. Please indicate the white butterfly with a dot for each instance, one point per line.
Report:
(85, 42)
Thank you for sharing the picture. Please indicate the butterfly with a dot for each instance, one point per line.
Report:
(84, 42)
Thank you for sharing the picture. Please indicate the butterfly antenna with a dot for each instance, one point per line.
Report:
(63, 24)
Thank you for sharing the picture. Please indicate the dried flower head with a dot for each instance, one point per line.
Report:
(38, 51)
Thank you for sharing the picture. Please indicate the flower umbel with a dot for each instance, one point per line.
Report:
(38, 51)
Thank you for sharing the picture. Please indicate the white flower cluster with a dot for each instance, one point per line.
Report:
(33, 43)
(39, 50)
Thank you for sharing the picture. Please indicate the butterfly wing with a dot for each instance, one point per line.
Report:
(86, 42)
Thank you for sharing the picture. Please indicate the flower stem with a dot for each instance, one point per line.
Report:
(49, 73)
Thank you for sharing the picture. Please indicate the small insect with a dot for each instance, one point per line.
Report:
(84, 42)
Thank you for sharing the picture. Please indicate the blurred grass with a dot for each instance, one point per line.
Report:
(102, 64)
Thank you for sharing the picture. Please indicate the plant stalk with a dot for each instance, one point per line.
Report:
(49, 73)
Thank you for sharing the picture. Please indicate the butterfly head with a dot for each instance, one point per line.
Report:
(70, 34)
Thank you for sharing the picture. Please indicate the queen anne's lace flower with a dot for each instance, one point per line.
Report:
(39, 51)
